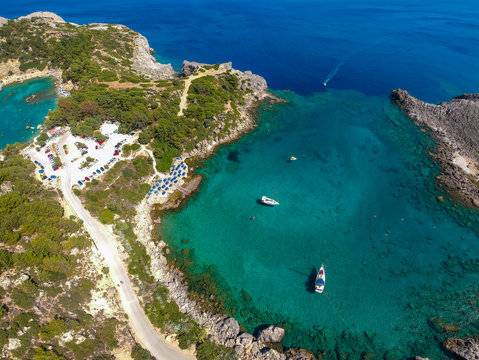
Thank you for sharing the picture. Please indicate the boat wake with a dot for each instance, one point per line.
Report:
(333, 73)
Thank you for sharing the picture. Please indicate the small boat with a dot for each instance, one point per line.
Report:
(320, 280)
(292, 158)
(267, 201)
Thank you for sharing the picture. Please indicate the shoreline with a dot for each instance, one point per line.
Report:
(452, 126)
(223, 329)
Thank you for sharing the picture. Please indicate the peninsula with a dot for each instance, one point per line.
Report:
(83, 272)
(455, 125)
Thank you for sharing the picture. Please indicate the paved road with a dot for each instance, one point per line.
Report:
(141, 326)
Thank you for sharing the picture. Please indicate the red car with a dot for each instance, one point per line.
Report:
(96, 147)
(87, 178)
(47, 151)
(55, 168)
(50, 155)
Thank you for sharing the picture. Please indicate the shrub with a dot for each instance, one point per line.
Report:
(138, 353)
(106, 216)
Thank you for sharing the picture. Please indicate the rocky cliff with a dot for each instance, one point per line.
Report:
(455, 125)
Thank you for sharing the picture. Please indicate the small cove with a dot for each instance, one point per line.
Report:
(16, 113)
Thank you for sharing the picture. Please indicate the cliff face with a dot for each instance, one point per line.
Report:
(144, 62)
(456, 126)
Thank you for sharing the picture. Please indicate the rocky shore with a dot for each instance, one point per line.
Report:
(455, 125)
(222, 329)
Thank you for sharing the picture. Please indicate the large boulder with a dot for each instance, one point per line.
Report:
(244, 339)
(272, 334)
(463, 349)
(228, 328)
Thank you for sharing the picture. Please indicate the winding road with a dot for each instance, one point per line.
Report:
(145, 334)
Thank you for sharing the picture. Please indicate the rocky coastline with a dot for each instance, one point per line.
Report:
(222, 329)
(455, 127)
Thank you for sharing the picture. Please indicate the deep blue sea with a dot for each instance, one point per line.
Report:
(401, 266)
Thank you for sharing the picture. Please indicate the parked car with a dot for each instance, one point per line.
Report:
(80, 183)
(98, 171)
(47, 151)
(102, 168)
(53, 177)
(55, 168)
(87, 178)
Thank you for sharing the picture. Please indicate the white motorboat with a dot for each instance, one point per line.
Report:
(267, 201)
(320, 280)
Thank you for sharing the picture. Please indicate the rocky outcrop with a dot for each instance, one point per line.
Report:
(272, 334)
(463, 349)
(190, 67)
(455, 125)
(3, 21)
(252, 81)
(45, 15)
(145, 64)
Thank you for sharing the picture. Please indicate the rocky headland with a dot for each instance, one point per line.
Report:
(143, 62)
(455, 126)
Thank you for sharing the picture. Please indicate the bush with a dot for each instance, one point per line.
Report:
(208, 350)
(106, 216)
(138, 353)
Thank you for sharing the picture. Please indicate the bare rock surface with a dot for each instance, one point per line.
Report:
(455, 125)
(190, 67)
(144, 63)
(463, 349)
(3, 21)
(272, 334)
(46, 15)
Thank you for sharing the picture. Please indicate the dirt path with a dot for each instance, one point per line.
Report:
(188, 81)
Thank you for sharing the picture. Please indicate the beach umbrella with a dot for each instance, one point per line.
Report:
(176, 181)
(163, 193)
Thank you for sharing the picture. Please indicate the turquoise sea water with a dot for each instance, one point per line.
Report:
(361, 198)
(16, 113)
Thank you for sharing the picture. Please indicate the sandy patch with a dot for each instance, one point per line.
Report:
(467, 165)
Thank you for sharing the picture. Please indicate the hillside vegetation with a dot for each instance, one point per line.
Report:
(45, 288)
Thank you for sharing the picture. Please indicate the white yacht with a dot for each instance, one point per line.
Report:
(320, 280)
(267, 201)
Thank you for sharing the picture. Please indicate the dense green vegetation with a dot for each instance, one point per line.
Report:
(74, 50)
(40, 250)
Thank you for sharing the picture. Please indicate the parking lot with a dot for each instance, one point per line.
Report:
(89, 157)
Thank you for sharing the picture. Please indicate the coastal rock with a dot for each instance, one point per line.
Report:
(456, 121)
(455, 125)
(229, 328)
(190, 67)
(145, 64)
(46, 15)
(3, 21)
(252, 81)
(244, 339)
(463, 349)
(272, 334)
(420, 358)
